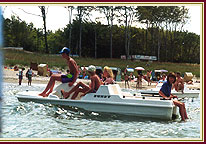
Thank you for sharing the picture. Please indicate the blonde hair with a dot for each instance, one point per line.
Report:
(109, 71)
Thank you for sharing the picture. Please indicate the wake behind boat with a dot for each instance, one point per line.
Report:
(109, 99)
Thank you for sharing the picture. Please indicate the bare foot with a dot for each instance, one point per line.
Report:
(183, 120)
(43, 94)
(64, 94)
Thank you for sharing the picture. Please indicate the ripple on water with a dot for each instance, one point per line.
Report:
(33, 120)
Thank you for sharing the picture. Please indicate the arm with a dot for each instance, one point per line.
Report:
(91, 86)
(163, 95)
(167, 98)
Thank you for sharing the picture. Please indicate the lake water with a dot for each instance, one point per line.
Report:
(33, 120)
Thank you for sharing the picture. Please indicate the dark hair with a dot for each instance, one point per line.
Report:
(171, 75)
(178, 73)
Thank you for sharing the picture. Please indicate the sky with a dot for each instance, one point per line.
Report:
(58, 16)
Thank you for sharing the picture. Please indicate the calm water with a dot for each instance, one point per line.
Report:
(33, 120)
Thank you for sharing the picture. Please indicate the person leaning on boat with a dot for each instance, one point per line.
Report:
(70, 79)
(165, 92)
(81, 87)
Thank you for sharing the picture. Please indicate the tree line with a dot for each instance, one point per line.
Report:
(162, 34)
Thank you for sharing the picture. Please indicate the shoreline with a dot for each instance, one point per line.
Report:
(10, 76)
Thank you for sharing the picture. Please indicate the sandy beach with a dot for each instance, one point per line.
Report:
(10, 76)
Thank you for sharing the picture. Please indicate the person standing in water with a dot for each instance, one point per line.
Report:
(165, 92)
(70, 78)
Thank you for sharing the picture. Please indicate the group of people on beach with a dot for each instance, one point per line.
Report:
(71, 78)
(29, 75)
(178, 85)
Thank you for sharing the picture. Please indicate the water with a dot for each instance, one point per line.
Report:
(33, 120)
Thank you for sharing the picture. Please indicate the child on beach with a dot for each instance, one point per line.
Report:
(65, 52)
(29, 75)
(20, 75)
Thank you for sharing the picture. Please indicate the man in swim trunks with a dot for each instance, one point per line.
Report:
(81, 87)
(69, 78)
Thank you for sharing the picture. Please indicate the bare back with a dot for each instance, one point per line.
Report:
(95, 82)
(72, 66)
(179, 80)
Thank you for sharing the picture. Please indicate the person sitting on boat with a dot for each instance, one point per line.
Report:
(108, 75)
(165, 92)
(81, 87)
(70, 79)
(179, 84)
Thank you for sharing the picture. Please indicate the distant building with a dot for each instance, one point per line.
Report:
(140, 57)
(14, 48)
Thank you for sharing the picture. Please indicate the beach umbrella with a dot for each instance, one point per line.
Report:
(130, 69)
(82, 68)
(139, 68)
(162, 70)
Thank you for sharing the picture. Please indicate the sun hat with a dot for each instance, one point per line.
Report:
(65, 50)
(92, 68)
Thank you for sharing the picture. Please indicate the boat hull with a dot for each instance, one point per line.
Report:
(91, 102)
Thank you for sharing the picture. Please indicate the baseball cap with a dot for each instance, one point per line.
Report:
(65, 50)
(92, 68)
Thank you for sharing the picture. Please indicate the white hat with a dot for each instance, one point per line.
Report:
(92, 68)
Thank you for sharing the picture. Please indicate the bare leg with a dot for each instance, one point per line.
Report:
(20, 81)
(51, 89)
(186, 117)
(181, 109)
(50, 84)
(67, 94)
(83, 90)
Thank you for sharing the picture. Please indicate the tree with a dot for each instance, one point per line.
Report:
(109, 13)
(70, 9)
(45, 31)
(127, 13)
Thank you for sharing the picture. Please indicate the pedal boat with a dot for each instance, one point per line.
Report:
(108, 99)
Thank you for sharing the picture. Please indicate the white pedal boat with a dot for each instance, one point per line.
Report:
(108, 99)
(188, 93)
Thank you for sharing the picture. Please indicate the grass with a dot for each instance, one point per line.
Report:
(22, 58)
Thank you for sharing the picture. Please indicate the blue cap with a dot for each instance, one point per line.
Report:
(65, 50)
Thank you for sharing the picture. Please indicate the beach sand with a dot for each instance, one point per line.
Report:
(10, 76)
